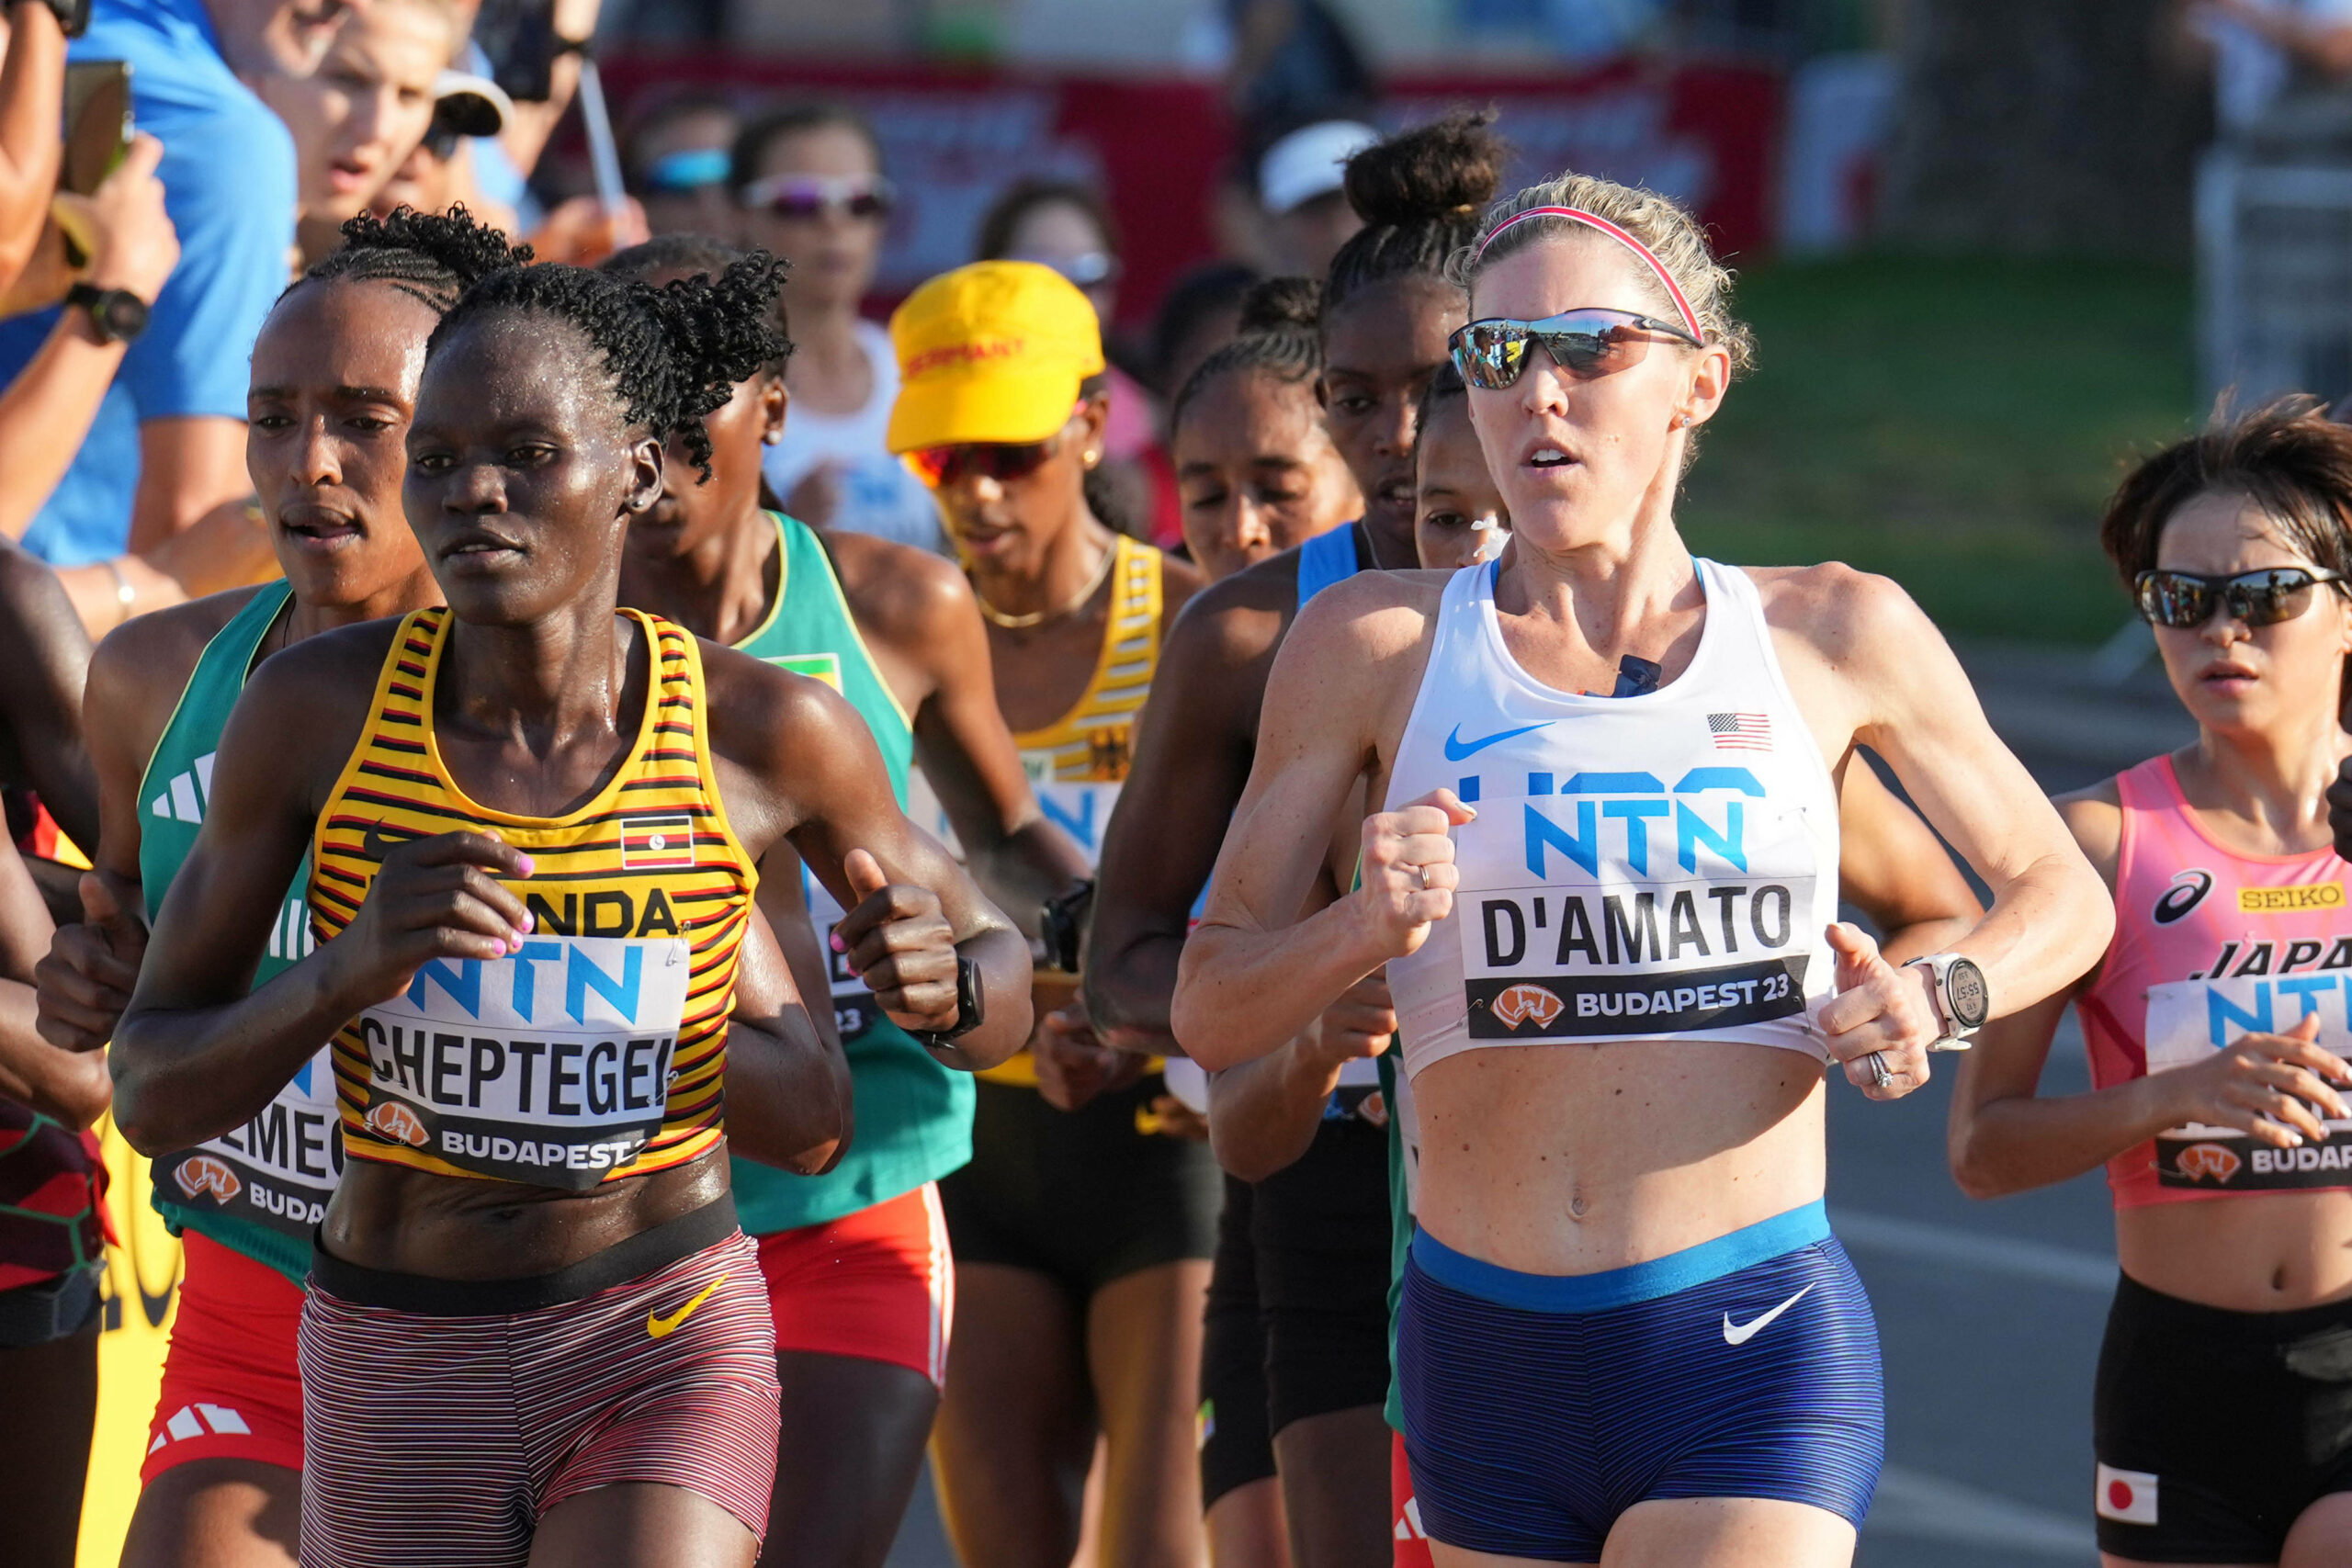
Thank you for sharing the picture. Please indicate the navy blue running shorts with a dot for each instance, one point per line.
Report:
(1538, 1408)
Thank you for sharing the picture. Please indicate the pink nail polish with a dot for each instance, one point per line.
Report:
(839, 945)
(528, 866)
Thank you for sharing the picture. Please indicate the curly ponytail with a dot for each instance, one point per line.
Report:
(1278, 337)
(431, 258)
(674, 352)
(1420, 193)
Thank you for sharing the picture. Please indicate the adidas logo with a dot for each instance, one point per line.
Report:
(1410, 1526)
(183, 799)
(196, 1420)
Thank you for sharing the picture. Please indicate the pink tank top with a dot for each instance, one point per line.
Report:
(2211, 944)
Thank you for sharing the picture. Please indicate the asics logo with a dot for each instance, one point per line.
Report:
(1457, 749)
(1744, 1331)
(660, 1327)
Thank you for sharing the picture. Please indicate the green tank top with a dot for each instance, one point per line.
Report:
(914, 1116)
(263, 1188)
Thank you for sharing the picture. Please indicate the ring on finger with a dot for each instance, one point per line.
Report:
(1880, 1076)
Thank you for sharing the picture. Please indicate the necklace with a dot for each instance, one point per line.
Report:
(1035, 618)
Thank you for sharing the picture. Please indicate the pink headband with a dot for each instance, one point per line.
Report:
(1576, 214)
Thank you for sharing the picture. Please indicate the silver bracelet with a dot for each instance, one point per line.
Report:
(124, 594)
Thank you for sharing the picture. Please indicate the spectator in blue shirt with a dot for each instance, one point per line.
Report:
(168, 446)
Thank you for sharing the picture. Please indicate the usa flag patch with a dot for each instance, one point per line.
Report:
(1740, 731)
(649, 843)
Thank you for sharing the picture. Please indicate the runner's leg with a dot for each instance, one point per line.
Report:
(639, 1523)
(1016, 1425)
(1144, 1349)
(1725, 1532)
(851, 1448)
(45, 1450)
(1335, 1482)
(2323, 1534)
(218, 1513)
(1247, 1527)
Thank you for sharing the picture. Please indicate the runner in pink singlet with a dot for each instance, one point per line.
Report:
(2216, 1022)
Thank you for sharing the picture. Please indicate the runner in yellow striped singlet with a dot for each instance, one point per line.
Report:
(1081, 1238)
(533, 1329)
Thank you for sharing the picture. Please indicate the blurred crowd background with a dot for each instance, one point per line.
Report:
(1990, 244)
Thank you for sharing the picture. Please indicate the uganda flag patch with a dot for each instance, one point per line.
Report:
(651, 843)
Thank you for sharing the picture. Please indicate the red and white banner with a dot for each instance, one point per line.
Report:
(1707, 134)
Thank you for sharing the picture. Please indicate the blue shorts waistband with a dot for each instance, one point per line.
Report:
(1621, 1287)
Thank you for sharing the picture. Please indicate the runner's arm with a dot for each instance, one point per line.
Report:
(1264, 1114)
(47, 656)
(1015, 853)
(1193, 748)
(2003, 1136)
(1250, 979)
(788, 1082)
(196, 1054)
(2051, 916)
(809, 770)
(70, 1087)
(1892, 866)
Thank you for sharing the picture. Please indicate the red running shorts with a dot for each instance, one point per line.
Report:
(230, 1387)
(879, 1285)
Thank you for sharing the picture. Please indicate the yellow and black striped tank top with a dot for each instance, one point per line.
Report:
(1092, 743)
(598, 1049)
(1078, 762)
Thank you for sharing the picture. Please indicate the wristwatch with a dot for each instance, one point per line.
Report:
(1963, 1001)
(73, 15)
(971, 1008)
(118, 315)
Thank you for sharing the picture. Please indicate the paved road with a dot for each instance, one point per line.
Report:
(1990, 1313)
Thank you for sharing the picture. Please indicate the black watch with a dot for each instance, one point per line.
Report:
(118, 315)
(971, 1008)
(73, 15)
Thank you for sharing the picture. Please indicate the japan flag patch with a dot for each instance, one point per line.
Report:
(2127, 1496)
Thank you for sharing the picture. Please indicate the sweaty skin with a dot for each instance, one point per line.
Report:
(522, 480)
(1256, 471)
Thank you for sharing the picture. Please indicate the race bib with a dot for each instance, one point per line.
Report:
(2188, 1020)
(1584, 917)
(279, 1168)
(853, 1007)
(550, 1066)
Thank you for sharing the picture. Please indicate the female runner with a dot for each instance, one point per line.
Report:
(335, 375)
(1297, 1339)
(1256, 469)
(1081, 1240)
(2215, 1021)
(532, 823)
(1650, 879)
(858, 1273)
(1459, 518)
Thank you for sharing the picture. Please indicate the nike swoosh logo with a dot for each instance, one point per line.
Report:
(1456, 749)
(660, 1327)
(372, 843)
(1746, 1331)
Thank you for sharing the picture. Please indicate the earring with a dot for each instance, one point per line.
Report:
(1090, 458)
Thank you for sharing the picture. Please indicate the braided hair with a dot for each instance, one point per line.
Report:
(1420, 193)
(431, 258)
(674, 352)
(699, 253)
(1277, 337)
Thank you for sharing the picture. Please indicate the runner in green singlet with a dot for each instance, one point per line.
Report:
(334, 373)
(856, 1265)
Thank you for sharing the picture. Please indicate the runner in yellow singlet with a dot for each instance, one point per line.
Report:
(1081, 1239)
(534, 1331)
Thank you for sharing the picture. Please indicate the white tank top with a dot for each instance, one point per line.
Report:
(1654, 867)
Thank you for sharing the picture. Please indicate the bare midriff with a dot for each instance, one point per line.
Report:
(1574, 1159)
(2248, 1252)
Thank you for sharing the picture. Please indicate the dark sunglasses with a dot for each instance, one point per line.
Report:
(2184, 601)
(1003, 461)
(1492, 354)
(803, 197)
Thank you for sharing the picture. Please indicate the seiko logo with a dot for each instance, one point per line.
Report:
(2188, 890)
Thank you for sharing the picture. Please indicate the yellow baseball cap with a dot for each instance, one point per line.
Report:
(993, 352)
